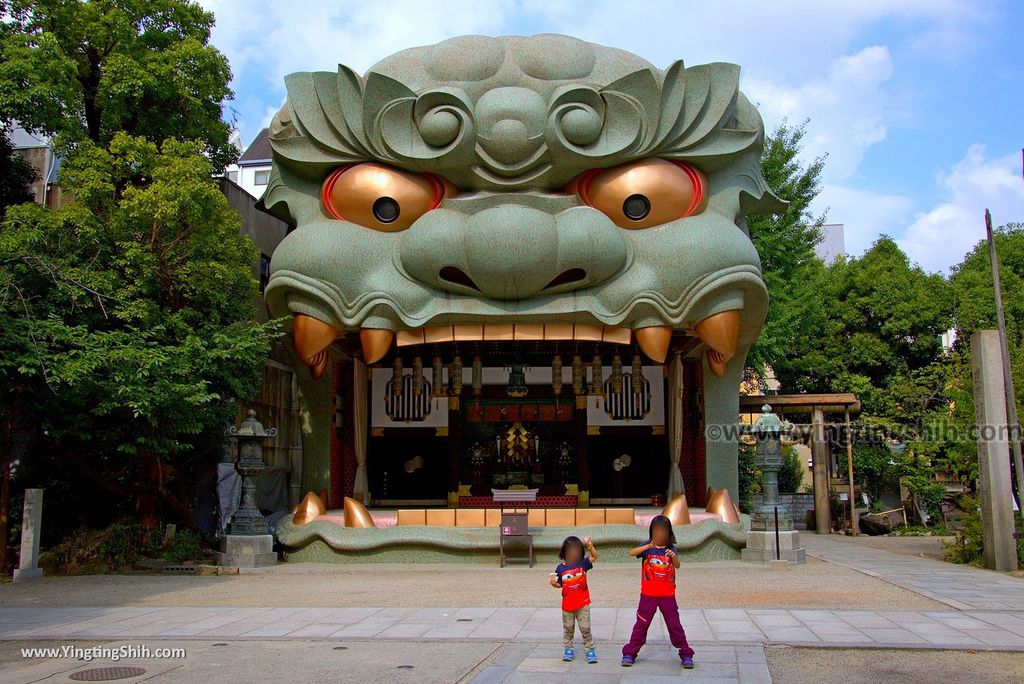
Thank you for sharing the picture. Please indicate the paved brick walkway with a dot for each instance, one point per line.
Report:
(913, 629)
(986, 612)
(958, 586)
(526, 662)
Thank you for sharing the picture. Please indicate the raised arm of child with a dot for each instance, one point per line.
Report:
(640, 549)
(589, 543)
(553, 580)
(674, 556)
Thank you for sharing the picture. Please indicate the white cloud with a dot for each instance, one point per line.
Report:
(277, 38)
(864, 214)
(847, 108)
(940, 237)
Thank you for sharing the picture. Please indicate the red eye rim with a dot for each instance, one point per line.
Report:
(328, 187)
(583, 186)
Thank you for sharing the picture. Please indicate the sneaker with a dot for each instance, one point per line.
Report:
(591, 656)
(687, 663)
(627, 661)
(568, 655)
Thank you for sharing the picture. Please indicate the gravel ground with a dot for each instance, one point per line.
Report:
(923, 547)
(871, 666)
(703, 585)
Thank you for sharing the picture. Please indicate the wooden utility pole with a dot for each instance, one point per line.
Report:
(849, 466)
(1011, 395)
(819, 453)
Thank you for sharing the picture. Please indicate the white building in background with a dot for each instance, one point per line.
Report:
(833, 242)
(252, 172)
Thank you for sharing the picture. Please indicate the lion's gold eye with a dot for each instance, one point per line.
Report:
(644, 193)
(380, 197)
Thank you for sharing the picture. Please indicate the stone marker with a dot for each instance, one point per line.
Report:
(28, 565)
(993, 451)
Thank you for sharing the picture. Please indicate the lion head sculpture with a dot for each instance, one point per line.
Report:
(518, 188)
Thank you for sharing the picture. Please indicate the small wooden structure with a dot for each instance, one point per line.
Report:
(817, 405)
(514, 528)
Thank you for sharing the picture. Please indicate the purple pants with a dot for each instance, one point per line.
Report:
(645, 613)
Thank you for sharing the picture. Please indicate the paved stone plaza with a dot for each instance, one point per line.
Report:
(984, 611)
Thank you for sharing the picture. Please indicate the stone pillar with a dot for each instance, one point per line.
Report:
(28, 565)
(993, 451)
(721, 413)
(819, 454)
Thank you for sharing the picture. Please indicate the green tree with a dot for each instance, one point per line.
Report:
(790, 268)
(884, 318)
(87, 70)
(125, 316)
(126, 319)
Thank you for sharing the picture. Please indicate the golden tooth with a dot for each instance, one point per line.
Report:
(464, 333)
(311, 336)
(438, 333)
(356, 514)
(677, 510)
(528, 331)
(407, 338)
(558, 331)
(309, 509)
(588, 333)
(721, 332)
(721, 503)
(376, 343)
(499, 332)
(654, 341)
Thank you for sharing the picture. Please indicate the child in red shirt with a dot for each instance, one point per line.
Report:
(571, 577)
(658, 592)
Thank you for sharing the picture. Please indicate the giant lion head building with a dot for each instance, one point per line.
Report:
(518, 263)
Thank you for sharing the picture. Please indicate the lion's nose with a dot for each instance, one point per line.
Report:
(514, 252)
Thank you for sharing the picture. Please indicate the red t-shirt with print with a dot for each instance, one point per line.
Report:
(573, 580)
(657, 572)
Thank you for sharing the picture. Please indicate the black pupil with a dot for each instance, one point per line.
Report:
(385, 209)
(636, 207)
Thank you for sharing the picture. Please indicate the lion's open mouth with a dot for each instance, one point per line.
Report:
(719, 332)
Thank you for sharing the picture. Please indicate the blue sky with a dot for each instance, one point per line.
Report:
(919, 104)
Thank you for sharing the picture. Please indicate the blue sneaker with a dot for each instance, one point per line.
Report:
(687, 663)
(591, 656)
(627, 661)
(568, 655)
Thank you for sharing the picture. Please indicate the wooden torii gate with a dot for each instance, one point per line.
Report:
(817, 405)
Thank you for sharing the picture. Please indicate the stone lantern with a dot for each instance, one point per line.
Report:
(247, 542)
(771, 535)
(249, 435)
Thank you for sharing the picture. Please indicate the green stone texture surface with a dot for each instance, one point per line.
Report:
(328, 542)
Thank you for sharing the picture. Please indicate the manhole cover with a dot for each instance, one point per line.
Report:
(341, 648)
(406, 667)
(106, 674)
(220, 643)
(464, 620)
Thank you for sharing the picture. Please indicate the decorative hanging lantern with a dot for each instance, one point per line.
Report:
(556, 375)
(478, 375)
(597, 376)
(517, 381)
(617, 374)
(396, 378)
(417, 376)
(438, 377)
(577, 374)
(638, 375)
(455, 375)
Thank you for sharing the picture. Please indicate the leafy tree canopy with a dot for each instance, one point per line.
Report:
(790, 268)
(87, 70)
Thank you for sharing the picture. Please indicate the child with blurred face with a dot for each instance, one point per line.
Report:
(571, 577)
(658, 592)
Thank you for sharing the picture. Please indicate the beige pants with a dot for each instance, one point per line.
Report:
(570, 618)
